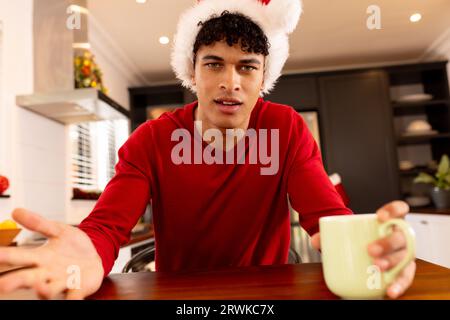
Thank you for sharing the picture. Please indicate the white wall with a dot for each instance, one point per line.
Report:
(2, 155)
(444, 49)
(32, 147)
(440, 49)
(119, 72)
(34, 151)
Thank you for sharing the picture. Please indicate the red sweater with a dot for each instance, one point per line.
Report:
(213, 215)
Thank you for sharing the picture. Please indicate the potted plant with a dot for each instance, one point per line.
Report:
(440, 193)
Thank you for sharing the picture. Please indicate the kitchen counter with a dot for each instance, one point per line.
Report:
(427, 210)
(147, 233)
(301, 281)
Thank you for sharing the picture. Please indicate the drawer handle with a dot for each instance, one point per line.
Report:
(423, 222)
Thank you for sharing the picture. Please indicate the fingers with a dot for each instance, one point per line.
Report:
(387, 245)
(394, 209)
(22, 279)
(389, 261)
(37, 279)
(18, 256)
(315, 241)
(74, 294)
(50, 290)
(403, 281)
(35, 222)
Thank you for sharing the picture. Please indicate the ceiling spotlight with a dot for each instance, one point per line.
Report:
(416, 17)
(76, 8)
(164, 40)
(81, 45)
(141, 1)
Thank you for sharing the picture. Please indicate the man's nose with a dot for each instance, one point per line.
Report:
(231, 80)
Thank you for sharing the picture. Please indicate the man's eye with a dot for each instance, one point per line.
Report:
(248, 68)
(213, 65)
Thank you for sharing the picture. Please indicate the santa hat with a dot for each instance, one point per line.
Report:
(276, 18)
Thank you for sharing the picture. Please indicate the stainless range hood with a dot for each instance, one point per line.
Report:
(80, 105)
(55, 96)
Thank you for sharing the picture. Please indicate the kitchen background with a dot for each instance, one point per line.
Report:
(350, 79)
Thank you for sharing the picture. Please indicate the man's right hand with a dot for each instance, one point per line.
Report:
(52, 269)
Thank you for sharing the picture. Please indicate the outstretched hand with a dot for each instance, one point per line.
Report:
(67, 263)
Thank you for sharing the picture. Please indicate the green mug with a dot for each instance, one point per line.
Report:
(348, 268)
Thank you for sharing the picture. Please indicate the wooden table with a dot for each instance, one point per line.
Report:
(302, 281)
(282, 282)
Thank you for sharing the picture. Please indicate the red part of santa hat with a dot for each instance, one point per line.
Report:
(276, 18)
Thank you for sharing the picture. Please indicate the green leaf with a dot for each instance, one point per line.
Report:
(440, 185)
(424, 178)
(444, 166)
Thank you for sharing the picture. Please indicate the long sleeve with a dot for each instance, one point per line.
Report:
(310, 190)
(124, 199)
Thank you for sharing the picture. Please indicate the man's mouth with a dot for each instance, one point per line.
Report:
(228, 106)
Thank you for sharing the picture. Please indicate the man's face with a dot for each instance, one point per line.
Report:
(228, 82)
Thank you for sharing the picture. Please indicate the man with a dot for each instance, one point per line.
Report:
(215, 202)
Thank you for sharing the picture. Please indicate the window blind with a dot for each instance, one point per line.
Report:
(83, 171)
(95, 147)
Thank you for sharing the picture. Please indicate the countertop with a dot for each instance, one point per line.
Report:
(146, 234)
(427, 210)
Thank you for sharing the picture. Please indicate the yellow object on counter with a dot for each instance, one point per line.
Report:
(8, 224)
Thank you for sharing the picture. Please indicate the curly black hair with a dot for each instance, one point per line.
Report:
(232, 27)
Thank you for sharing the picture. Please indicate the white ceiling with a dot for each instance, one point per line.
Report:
(331, 33)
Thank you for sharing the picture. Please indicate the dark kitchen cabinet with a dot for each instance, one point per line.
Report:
(297, 91)
(142, 98)
(358, 137)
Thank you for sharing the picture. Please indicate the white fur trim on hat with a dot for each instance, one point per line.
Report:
(276, 19)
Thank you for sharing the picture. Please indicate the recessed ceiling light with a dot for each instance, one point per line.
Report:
(76, 8)
(164, 40)
(141, 1)
(416, 17)
(81, 45)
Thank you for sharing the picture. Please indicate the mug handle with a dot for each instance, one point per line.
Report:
(384, 230)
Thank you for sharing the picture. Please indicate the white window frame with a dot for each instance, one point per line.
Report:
(103, 159)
